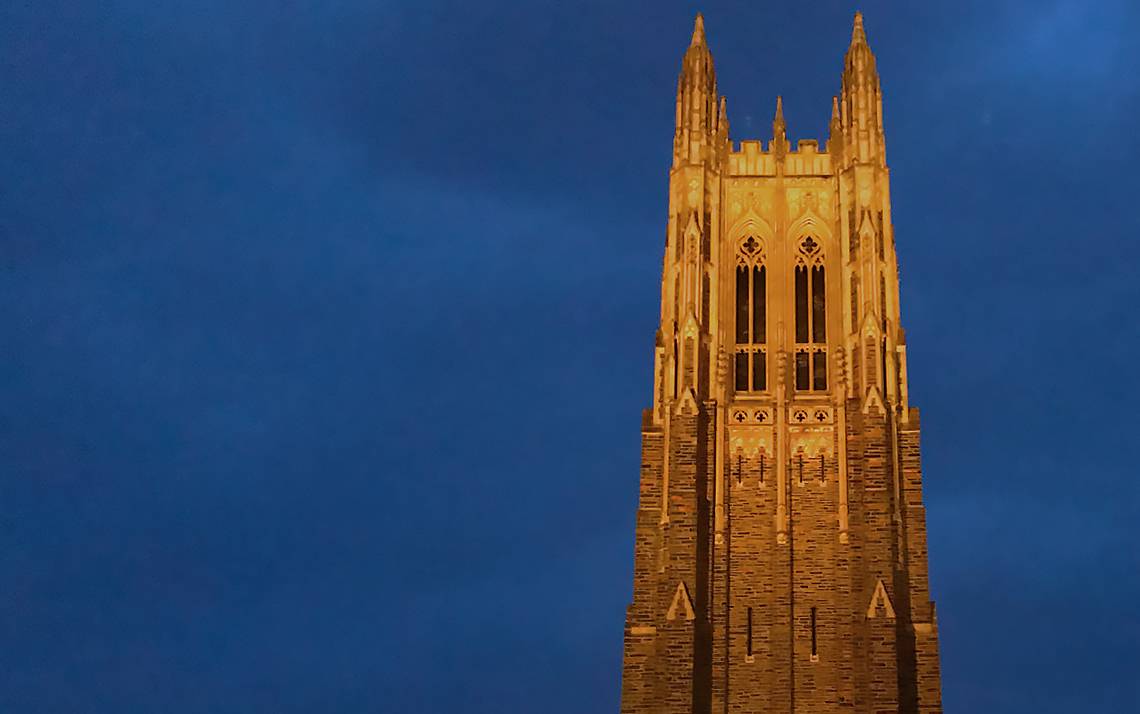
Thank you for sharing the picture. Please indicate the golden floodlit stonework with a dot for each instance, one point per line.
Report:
(780, 560)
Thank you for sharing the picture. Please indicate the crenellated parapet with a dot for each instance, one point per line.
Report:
(749, 158)
(780, 556)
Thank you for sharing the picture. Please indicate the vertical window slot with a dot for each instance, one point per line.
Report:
(814, 653)
(748, 639)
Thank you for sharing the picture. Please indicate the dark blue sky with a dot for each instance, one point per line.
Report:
(328, 326)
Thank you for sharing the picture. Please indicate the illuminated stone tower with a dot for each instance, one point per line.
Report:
(780, 558)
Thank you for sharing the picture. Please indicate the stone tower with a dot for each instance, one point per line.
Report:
(780, 560)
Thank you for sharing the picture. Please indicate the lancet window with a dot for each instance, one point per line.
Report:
(811, 316)
(751, 362)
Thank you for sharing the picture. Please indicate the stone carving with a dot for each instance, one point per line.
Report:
(682, 604)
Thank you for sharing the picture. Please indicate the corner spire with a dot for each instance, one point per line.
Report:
(858, 35)
(697, 100)
(861, 101)
(779, 130)
(835, 130)
(698, 32)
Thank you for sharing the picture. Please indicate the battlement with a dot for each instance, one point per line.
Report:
(748, 158)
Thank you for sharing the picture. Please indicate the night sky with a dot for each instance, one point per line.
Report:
(327, 327)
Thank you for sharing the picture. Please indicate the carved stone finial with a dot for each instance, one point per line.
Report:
(858, 35)
(699, 31)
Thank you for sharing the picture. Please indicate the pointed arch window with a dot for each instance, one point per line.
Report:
(751, 317)
(811, 316)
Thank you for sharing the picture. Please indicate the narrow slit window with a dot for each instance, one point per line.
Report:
(853, 245)
(748, 637)
(854, 303)
(822, 470)
(883, 358)
(761, 469)
(883, 300)
(814, 652)
(882, 234)
(705, 299)
(687, 377)
(706, 243)
(676, 364)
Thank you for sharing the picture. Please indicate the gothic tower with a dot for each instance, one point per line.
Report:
(780, 558)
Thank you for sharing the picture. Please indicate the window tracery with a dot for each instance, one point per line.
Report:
(811, 316)
(751, 364)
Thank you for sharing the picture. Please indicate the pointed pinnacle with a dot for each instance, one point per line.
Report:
(858, 36)
(779, 120)
(835, 110)
(698, 31)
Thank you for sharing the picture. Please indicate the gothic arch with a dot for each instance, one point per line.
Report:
(750, 224)
(810, 223)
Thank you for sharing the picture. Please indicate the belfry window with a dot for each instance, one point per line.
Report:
(751, 364)
(811, 317)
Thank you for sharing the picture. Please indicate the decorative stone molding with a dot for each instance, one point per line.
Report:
(687, 404)
(806, 414)
(880, 598)
(750, 415)
(873, 401)
(750, 440)
(682, 603)
(811, 441)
